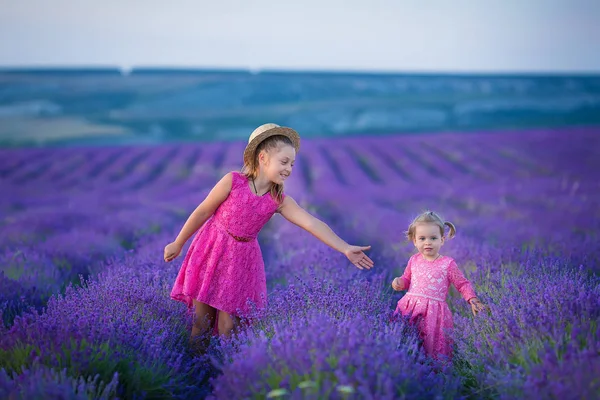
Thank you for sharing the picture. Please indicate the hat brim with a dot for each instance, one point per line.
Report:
(280, 130)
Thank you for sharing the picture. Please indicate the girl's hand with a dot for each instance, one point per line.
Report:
(357, 257)
(398, 284)
(172, 250)
(291, 211)
(476, 305)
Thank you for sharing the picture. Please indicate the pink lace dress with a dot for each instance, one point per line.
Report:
(425, 301)
(224, 267)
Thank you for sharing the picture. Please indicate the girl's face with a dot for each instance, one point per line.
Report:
(428, 240)
(277, 163)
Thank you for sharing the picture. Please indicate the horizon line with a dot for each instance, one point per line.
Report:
(91, 68)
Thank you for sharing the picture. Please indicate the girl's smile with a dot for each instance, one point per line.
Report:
(277, 165)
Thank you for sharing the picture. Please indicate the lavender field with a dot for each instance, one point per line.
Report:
(84, 292)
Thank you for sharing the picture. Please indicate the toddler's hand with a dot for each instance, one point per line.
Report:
(172, 250)
(398, 284)
(476, 305)
(357, 257)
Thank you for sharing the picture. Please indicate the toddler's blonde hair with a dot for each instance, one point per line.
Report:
(429, 217)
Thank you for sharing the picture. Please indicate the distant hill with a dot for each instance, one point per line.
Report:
(153, 105)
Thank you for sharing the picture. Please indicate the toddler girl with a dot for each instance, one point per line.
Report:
(427, 278)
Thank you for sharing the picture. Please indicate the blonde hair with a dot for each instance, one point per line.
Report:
(431, 218)
(251, 171)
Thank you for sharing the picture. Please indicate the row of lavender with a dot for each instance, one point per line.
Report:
(525, 221)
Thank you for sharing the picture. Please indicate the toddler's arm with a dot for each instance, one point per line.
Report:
(465, 288)
(461, 283)
(403, 282)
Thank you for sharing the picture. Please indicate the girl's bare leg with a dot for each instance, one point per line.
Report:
(228, 324)
(204, 317)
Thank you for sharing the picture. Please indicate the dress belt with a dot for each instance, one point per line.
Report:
(425, 296)
(237, 238)
(240, 238)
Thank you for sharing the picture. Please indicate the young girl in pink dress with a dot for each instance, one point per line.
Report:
(223, 271)
(427, 278)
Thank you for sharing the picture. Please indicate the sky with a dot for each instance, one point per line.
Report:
(368, 35)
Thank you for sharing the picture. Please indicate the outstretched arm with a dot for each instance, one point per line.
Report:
(199, 216)
(300, 217)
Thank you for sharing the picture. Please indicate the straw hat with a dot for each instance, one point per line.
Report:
(265, 131)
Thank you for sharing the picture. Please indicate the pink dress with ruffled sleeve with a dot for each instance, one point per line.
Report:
(425, 301)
